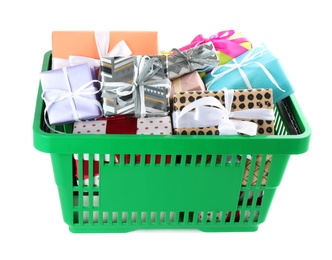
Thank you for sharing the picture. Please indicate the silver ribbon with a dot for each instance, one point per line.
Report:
(143, 73)
(194, 58)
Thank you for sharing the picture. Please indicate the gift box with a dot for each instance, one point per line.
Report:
(135, 84)
(201, 59)
(71, 94)
(71, 47)
(224, 112)
(124, 124)
(256, 68)
(228, 44)
(258, 164)
(188, 82)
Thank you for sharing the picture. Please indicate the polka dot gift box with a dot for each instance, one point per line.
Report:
(125, 125)
(224, 112)
(121, 124)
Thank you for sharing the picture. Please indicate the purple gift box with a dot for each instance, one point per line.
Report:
(71, 94)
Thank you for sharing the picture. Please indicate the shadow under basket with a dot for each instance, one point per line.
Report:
(121, 183)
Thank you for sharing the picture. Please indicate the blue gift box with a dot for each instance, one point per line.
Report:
(256, 68)
(70, 94)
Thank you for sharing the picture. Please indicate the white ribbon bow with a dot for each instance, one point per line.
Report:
(52, 96)
(102, 39)
(210, 112)
(246, 61)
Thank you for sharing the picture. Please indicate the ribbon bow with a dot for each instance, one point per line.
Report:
(194, 59)
(222, 42)
(52, 96)
(143, 74)
(249, 59)
(102, 42)
(210, 112)
(102, 39)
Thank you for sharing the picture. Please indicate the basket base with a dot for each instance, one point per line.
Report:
(103, 229)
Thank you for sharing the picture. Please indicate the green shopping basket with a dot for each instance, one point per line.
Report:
(208, 183)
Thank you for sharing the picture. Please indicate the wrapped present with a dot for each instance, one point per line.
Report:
(228, 44)
(135, 84)
(256, 68)
(71, 94)
(76, 47)
(188, 82)
(201, 58)
(254, 173)
(224, 112)
(124, 124)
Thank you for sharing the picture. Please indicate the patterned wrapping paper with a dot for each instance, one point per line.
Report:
(71, 94)
(68, 46)
(248, 112)
(123, 124)
(256, 68)
(201, 58)
(228, 44)
(258, 164)
(188, 82)
(135, 84)
(126, 124)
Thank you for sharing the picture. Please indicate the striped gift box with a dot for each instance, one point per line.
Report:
(122, 82)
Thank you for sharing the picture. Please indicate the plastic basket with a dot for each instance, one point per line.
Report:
(208, 183)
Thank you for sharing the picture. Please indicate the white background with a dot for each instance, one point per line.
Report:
(299, 221)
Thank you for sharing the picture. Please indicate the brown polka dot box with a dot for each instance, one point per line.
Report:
(212, 160)
(225, 112)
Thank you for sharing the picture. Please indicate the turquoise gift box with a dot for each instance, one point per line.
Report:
(256, 68)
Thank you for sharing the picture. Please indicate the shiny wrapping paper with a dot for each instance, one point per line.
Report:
(71, 94)
(201, 59)
(226, 112)
(256, 68)
(135, 84)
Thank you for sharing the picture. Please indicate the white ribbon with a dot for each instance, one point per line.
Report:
(51, 96)
(210, 112)
(246, 61)
(102, 39)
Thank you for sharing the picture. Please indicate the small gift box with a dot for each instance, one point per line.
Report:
(76, 47)
(224, 112)
(135, 84)
(201, 58)
(188, 82)
(256, 68)
(71, 94)
(228, 44)
(125, 124)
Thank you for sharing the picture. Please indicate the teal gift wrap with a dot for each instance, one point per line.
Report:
(256, 68)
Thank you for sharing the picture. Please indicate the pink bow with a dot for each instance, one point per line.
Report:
(221, 42)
